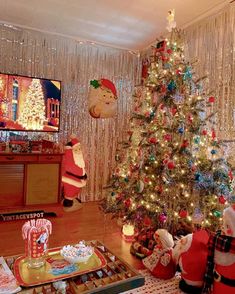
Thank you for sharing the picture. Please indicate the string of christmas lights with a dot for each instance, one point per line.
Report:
(172, 165)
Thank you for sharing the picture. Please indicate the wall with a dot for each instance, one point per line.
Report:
(42, 55)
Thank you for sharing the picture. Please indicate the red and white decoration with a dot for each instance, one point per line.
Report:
(191, 254)
(73, 174)
(102, 99)
(160, 262)
(225, 261)
(36, 235)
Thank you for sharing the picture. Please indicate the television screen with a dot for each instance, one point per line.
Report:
(29, 104)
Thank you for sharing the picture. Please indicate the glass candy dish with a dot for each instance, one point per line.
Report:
(77, 253)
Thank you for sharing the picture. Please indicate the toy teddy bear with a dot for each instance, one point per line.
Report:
(160, 262)
(220, 274)
(190, 253)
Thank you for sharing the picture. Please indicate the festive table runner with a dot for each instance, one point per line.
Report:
(157, 286)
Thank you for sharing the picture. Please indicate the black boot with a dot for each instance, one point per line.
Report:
(67, 203)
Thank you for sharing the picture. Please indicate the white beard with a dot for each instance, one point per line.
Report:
(224, 258)
(79, 160)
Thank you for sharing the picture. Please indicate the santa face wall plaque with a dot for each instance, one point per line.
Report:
(102, 100)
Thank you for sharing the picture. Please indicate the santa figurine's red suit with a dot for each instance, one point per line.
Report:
(220, 275)
(190, 253)
(73, 175)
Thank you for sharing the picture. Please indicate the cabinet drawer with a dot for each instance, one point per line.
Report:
(18, 158)
(50, 158)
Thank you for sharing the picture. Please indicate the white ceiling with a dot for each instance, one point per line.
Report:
(128, 24)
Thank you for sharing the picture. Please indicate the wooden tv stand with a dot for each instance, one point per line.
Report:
(30, 181)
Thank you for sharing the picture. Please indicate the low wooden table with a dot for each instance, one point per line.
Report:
(116, 277)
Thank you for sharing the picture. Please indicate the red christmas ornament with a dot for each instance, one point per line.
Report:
(127, 202)
(211, 99)
(163, 89)
(164, 58)
(213, 135)
(178, 72)
(230, 174)
(153, 140)
(146, 180)
(147, 221)
(160, 189)
(169, 51)
(145, 66)
(171, 165)
(185, 143)
(119, 196)
(173, 111)
(183, 213)
(190, 118)
(222, 200)
(193, 168)
(162, 106)
(204, 132)
(167, 137)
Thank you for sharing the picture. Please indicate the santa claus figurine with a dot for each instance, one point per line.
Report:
(73, 175)
(160, 262)
(220, 274)
(190, 253)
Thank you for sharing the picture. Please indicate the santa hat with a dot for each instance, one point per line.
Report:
(229, 218)
(165, 238)
(109, 85)
(74, 141)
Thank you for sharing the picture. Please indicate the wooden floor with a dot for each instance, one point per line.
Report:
(88, 223)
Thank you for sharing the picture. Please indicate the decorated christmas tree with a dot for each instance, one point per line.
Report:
(32, 116)
(172, 166)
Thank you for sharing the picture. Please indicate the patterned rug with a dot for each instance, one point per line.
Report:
(157, 286)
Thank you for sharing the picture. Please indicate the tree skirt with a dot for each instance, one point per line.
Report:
(157, 286)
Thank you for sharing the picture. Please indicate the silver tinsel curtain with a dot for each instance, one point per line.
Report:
(212, 42)
(36, 54)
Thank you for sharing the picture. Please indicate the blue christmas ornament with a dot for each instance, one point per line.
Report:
(152, 157)
(213, 151)
(178, 98)
(202, 115)
(167, 65)
(188, 73)
(171, 86)
(190, 163)
(198, 177)
(181, 130)
(126, 179)
(197, 140)
(113, 193)
(199, 86)
(152, 114)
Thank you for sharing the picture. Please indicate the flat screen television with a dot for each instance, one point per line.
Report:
(29, 104)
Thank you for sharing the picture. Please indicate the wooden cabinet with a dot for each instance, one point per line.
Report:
(27, 180)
